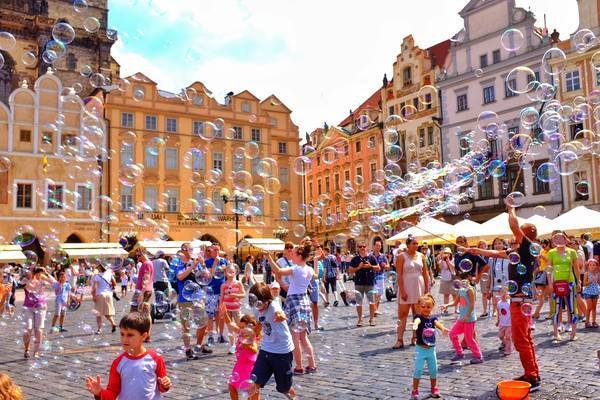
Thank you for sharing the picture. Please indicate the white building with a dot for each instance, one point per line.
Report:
(475, 81)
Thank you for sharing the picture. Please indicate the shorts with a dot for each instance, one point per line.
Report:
(185, 322)
(331, 283)
(280, 365)
(212, 305)
(590, 296)
(35, 317)
(314, 291)
(60, 308)
(234, 315)
(363, 289)
(144, 308)
(161, 286)
(104, 304)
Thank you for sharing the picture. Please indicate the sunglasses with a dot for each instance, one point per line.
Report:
(362, 247)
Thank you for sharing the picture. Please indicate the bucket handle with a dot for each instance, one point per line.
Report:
(498, 394)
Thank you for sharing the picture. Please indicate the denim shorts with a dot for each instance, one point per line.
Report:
(590, 296)
(280, 365)
(314, 292)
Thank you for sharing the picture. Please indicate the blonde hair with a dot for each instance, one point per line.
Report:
(8, 389)
(425, 298)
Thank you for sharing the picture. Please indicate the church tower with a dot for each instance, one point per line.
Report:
(31, 23)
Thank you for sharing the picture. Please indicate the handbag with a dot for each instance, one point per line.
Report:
(541, 278)
(562, 289)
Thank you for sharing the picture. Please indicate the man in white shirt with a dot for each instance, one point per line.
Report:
(285, 262)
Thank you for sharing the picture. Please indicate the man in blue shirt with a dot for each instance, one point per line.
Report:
(382, 261)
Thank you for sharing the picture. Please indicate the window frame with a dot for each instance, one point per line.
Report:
(536, 181)
(121, 194)
(150, 117)
(167, 159)
(91, 200)
(125, 120)
(572, 78)
(371, 142)
(30, 182)
(489, 94)
(238, 133)
(21, 132)
(285, 175)
(488, 184)
(169, 121)
(282, 146)
(462, 102)
(147, 156)
(483, 61)
(255, 135)
(496, 56)
(146, 189)
(220, 159)
(126, 161)
(168, 200)
(47, 202)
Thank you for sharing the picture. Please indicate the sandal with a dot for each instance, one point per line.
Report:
(574, 338)
(311, 370)
(359, 324)
(594, 325)
(371, 323)
(298, 371)
(399, 345)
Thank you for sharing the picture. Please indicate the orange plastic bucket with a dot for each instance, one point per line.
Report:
(513, 390)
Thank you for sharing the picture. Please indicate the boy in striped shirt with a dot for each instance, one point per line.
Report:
(138, 373)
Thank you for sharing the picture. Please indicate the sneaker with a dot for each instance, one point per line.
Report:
(335, 303)
(414, 394)
(569, 328)
(63, 329)
(534, 382)
(210, 340)
(476, 361)
(232, 350)
(457, 357)
(189, 355)
(435, 393)
(222, 339)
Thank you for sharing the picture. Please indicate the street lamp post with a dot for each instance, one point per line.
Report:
(237, 199)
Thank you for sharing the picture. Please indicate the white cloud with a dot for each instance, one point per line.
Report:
(334, 56)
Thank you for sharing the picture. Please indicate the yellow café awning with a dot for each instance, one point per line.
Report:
(11, 254)
(270, 244)
(81, 250)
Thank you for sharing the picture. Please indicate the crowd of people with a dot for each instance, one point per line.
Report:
(208, 292)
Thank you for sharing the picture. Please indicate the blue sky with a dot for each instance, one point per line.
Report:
(321, 58)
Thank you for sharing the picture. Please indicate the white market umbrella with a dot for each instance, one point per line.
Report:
(467, 228)
(578, 221)
(495, 227)
(544, 225)
(431, 230)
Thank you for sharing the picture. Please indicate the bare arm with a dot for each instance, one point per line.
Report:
(513, 222)
(425, 273)
(399, 272)
(487, 253)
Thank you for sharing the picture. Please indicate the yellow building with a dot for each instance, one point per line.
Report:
(51, 153)
(172, 157)
(580, 79)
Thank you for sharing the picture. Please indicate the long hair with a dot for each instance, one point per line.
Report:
(253, 324)
(8, 389)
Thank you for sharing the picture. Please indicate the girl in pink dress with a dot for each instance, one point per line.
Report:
(248, 332)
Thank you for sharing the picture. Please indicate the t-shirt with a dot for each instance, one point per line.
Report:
(276, 335)
(62, 292)
(589, 246)
(135, 378)
(382, 261)
(504, 313)
(103, 281)
(365, 277)
(477, 261)
(216, 282)
(597, 248)
(147, 272)
(562, 264)
(285, 263)
(464, 303)
(330, 264)
(181, 283)
(542, 260)
(500, 267)
(426, 327)
(528, 260)
(300, 278)
(161, 270)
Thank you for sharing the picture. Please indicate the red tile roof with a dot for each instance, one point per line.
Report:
(440, 52)
(372, 103)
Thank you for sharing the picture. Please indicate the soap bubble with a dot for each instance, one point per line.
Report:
(512, 39)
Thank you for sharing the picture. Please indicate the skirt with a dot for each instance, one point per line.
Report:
(104, 304)
(447, 287)
(299, 312)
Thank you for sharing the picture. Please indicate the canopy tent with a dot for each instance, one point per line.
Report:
(578, 221)
(467, 228)
(169, 247)
(493, 228)
(11, 254)
(82, 250)
(544, 225)
(260, 245)
(431, 230)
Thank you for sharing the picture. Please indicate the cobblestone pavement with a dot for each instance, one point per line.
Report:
(354, 363)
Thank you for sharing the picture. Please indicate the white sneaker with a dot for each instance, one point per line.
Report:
(569, 328)
(232, 350)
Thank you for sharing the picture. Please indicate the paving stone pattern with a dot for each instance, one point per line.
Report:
(354, 363)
